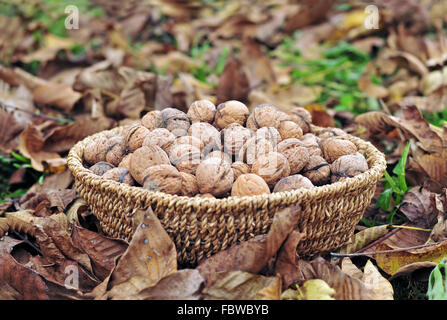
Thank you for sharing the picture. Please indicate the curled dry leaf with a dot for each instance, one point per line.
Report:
(151, 256)
(418, 208)
(314, 289)
(252, 255)
(239, 285)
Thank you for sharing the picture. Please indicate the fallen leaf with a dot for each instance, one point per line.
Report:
(364, 237)
(233, 82)
(59, 95)
(379, 287)
(314, 289)
(239, 285)
(252, 255)
(418, 208)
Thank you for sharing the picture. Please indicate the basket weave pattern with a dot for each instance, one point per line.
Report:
(201, 227)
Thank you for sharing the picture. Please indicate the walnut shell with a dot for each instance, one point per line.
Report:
(348, 166)
(269, 133)
(264, 115)
(189, 185)
(317, 170)
(116, 150)
(187, 140)
(202, 111)
(295, 152)
(119, 175)
(249, 184)
(302, 117)
(233, 137)
(134, 137)
(95, 151)
(219, 154)
(207, 134)
(311, 142)
(253, 149)
(272, 167)
(125, 163)
(101, 167)
(239, 168)
(231, 111)
(333, 132)
(334, 148)
(152, 120)
(161, 137)
(214, 176)
(175, 121)
(164, 178)
(293, 182)
(185, 157)
(290, 129)
(144, 158)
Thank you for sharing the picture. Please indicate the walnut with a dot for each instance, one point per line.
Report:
(219, 154)
(270, 134)
(95, 151)
(101, 167)
(348, 166)
(230, 112)
(317, 170)
(311, 142)
(164, 178)
(189, 185)
(302, 117)
(293, 182)
(239, 168)
(253, 149)
(207, 134)
(214, 176)
(295, 152)
(119, 175)
(115, 150)
(334, 148)
(185, 157)
(249, 184)
(125, 163)
(134, 137)
(264, 115)
(289, 129)
(333, 132)
(187, 140)
(233, 137)
(201, 111)
(152, 120)
(160, 137)
(271, 167)
(144, 158)
(175, 121)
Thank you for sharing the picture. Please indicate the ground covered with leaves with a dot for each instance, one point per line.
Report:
(385, 85)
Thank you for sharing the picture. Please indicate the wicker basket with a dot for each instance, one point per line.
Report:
(201, 227)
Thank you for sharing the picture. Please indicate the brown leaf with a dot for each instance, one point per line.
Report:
(10, 130)
(185, 284)
(103, 251)
(58, 199)
(31, 143)
(418, 208)
(364, 237)
(379, 287)
(62, 138)
(19, 282)
(60, 95)
(310, 11)
(233, 82)
(151, 256)
(258, 67)
(252, 255)
(346, 287)
(239, 285)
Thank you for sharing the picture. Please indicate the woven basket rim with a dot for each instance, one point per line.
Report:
(373, 156)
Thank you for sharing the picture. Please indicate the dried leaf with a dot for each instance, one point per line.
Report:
(19, 282)
(418, 208)
(233, 82)
(239, 285)
(4, 226)
(60, 95)
(151, 256)
(252, 255)
(103, 251)
(364, 237)
(314, 289)
(379, 287)
(391, 262)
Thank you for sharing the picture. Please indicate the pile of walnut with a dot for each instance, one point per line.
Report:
(225, 150)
